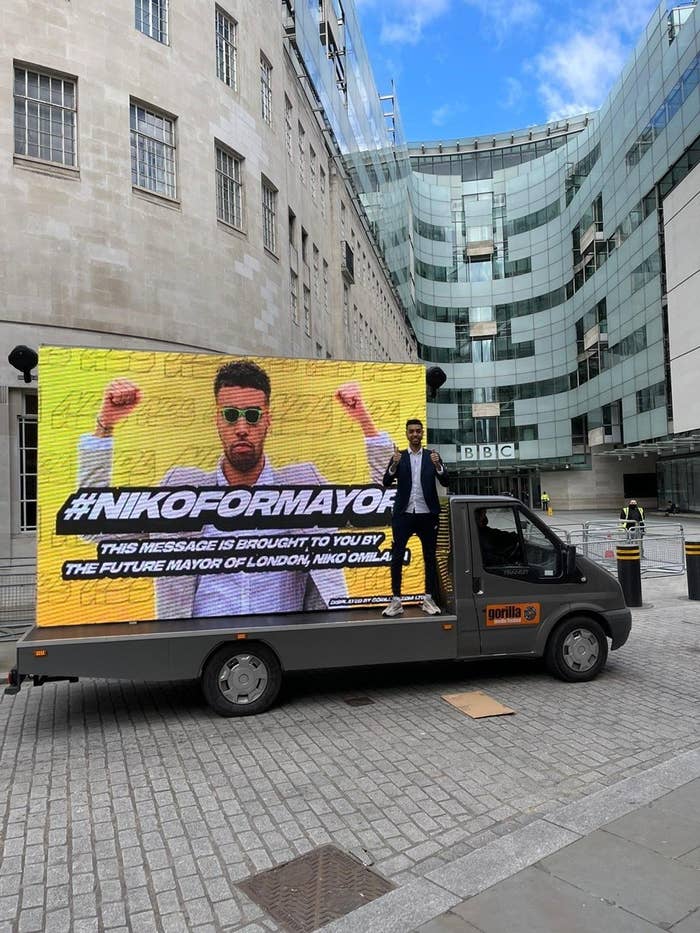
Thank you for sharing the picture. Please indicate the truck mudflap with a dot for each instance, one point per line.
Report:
(620, 624)
(15, 680)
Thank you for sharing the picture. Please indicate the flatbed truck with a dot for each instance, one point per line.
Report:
(510, 588)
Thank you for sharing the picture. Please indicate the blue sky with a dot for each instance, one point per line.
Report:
(470, 67)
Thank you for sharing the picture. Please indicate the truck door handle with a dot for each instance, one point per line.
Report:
(476, 586)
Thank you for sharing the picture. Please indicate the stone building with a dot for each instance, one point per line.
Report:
(172, 178)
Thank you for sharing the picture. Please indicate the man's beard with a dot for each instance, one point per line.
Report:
(243, 462)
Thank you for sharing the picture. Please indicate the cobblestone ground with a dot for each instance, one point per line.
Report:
(133, 807)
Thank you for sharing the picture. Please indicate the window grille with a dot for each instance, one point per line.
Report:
(229, 188)
(226, 48)
(266, 89)
(153, 151)
(152, 19)
(45, 116)
(269, 216)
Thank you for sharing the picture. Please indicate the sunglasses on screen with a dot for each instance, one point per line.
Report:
(251, 415)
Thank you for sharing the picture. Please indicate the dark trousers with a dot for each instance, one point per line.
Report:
(426, 527)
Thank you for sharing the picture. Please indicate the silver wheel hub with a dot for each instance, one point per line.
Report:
(243, 679)
(580, 650)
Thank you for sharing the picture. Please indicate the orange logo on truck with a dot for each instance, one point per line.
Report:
(513, 614)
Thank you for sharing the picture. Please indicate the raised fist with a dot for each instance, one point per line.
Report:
(121, 397)
(349, 397)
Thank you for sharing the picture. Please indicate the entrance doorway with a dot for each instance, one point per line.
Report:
(517, 483)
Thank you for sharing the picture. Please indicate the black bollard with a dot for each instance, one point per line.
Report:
(629, 573)
(692, 563)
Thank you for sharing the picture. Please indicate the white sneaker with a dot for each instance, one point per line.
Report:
(394, 608)
(430, 606)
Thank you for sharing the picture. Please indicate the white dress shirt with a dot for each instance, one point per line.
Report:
(416, 501)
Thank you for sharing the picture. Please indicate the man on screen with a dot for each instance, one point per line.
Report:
(242, 393)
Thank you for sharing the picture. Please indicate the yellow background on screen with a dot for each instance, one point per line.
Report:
(174, 425)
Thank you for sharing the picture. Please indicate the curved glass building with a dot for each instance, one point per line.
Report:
(540, 262)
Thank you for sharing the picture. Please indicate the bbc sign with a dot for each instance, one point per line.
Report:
(486, 452)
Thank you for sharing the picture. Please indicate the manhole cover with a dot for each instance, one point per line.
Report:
(315, 888)
(359, 701)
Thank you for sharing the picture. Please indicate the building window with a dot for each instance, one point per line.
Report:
(316, 272)
(226, 48)
(645, 272)
(650, 398)
(269, 216)
(322, 189)
(153, 151)
(669, 108)
(288, 128)
(302, 153)
(27, 436)
(229, 187)
(325, 287)
(307, 311)
(45, 116)
(152, 19)
(294, 295)
(312, 172)
(266, 89)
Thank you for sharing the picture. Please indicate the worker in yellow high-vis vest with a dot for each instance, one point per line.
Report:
(632, 520)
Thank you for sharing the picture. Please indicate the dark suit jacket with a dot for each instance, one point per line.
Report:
(428, 474)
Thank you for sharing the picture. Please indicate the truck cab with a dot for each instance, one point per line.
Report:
(517, 589)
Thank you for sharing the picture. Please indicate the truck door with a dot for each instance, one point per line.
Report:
(468, 639)
(518, 569)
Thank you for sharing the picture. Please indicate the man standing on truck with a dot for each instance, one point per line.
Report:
(416, 512)
(242, 393)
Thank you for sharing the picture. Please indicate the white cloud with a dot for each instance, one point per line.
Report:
(403, 21)
(503, 17)
(513, 95)
(445, 112)
(575, 72)
(441, 115)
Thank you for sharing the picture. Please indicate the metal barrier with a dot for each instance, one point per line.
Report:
(661, 528)
(17, 597)
(662, 545)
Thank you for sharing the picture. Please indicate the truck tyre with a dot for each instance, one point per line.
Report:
(577, 650)
(241, 680)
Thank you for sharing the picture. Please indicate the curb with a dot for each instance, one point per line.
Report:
(425, 899)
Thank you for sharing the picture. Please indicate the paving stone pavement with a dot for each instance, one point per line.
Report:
(133, 807)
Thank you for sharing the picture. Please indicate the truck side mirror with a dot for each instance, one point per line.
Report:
(570, 560)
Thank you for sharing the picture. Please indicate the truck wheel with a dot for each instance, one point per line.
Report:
(577, 650)
(241, 680)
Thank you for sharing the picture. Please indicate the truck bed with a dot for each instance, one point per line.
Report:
(177, 649)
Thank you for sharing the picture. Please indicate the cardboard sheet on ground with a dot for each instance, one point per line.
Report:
(476, 704)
